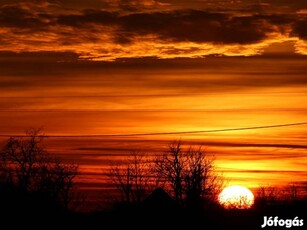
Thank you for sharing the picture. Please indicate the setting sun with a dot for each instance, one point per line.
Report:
(238, 197)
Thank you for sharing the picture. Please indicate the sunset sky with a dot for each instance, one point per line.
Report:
(81, 68)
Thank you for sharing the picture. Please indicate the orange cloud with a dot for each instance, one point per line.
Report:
(108, 35)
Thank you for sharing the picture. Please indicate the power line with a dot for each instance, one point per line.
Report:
(160, 110)
(166, 133)
(148, 95)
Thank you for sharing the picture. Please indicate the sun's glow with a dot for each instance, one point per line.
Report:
(238, 197)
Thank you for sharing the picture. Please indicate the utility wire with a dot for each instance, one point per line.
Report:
(166, 133)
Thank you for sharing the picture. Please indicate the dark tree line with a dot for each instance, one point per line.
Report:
(269, 194)
(187, 174)
(26, 167)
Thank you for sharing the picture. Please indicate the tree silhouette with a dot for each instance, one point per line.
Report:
(22, 158)
(293, 192)
(170, 167)
(272, 194)
(25, 164)
(132, 179)
(200, 178)
(56, 181)
(190, 174)
(269, 194)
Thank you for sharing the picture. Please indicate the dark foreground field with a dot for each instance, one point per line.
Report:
(25, 213)
(212, 217)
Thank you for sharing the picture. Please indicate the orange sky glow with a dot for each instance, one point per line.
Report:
(122, 67)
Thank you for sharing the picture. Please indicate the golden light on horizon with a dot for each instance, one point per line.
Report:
(237, 197)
